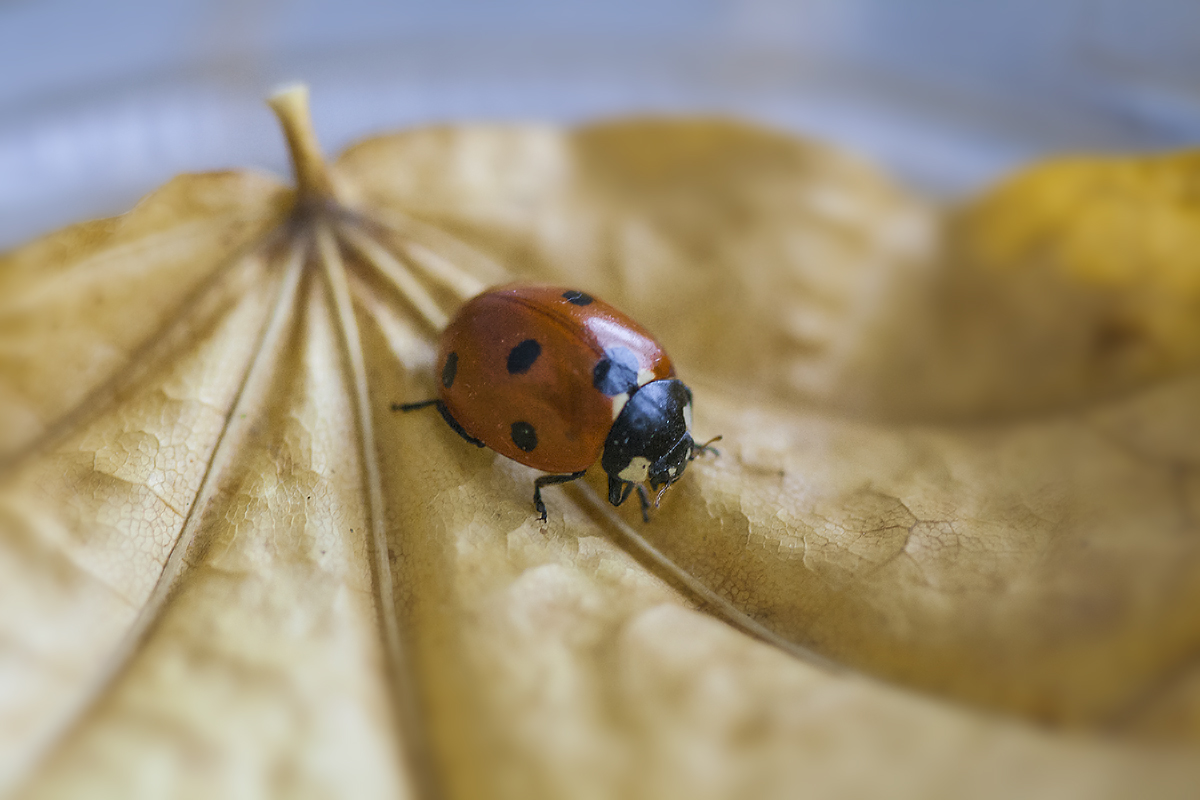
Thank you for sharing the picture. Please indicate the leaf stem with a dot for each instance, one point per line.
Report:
(290, 104)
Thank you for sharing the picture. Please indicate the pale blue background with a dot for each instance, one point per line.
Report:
(102, 101)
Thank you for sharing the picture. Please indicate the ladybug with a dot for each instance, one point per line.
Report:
(555, 379)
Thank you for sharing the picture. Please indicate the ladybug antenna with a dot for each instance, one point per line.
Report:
(658, 497)
(697, 449)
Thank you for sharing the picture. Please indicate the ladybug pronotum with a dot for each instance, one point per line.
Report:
(555, 379)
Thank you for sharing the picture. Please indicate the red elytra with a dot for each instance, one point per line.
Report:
(498, 380)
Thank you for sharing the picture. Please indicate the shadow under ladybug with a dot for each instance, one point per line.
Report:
(555, 379)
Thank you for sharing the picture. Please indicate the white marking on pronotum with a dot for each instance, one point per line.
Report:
(687, 416)
(637, 470)
(619, 402)
(644, 376)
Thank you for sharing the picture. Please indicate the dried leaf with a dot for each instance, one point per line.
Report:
(960, 457)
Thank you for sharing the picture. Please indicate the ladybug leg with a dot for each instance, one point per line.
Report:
(550, 480)
(406, 407)
(618, 490)
(454, 426)
(445, 412)
(701, 449)
(644, 497)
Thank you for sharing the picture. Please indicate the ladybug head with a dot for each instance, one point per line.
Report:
(650, 439)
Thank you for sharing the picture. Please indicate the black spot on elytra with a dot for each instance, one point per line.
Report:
(521, 357)
(449, 369)
(616, 372)
(578, 298)
(524, 436)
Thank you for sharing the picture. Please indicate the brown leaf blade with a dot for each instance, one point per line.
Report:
(1044, 566)
(263, 675)
(214, 524)
(82, 305)
(91, 518)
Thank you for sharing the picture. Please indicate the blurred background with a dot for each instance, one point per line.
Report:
(101, 102)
